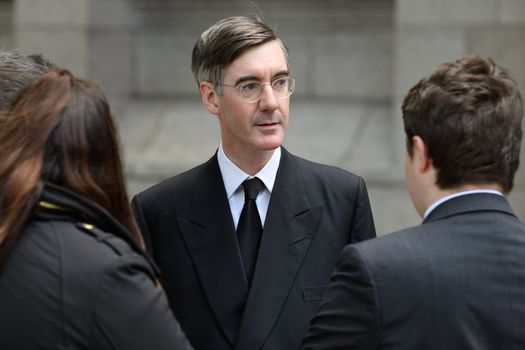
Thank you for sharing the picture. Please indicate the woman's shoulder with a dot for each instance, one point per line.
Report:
(86, 241)
(82, 250)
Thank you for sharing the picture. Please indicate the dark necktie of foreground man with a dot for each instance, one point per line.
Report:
(250, 228)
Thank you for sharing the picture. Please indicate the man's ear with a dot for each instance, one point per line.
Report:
(420, 154)
(209, 97)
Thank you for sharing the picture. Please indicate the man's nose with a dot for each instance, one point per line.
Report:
(268, 100)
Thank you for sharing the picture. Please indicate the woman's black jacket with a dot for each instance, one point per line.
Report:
(75, 279)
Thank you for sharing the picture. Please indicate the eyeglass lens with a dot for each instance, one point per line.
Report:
(252, 91)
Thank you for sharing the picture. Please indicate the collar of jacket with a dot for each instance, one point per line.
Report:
(59, 203)
(468, 203)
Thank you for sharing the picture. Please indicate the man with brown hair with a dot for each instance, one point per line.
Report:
(18, 71)
(247, 241)
(458, 280)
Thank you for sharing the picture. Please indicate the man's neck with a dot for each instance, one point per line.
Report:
(249, 162)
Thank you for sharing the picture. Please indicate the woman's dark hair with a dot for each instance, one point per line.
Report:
(59, 130)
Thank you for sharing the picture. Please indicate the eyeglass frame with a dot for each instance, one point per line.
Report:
(239, 86)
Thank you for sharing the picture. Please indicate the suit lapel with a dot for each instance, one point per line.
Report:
(289, 228)
(210, 238)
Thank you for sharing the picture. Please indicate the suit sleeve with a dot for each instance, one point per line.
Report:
(363, 223)
(348, 314)
(143, 226)
(132, 313)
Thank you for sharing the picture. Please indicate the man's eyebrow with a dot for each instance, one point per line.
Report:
(254, 78)
(283, 73)
(246, 78)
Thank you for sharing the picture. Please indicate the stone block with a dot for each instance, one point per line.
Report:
(113, 14)
(323, 131)
(355, 64)
(52, 12)
(511, 11)
(301, 62)
(6, 26)
(6, 41)
(139, 125)
(163, 64)
(110, 61)
(445, 12)
(181, 135)
(370, 152)
(517, 202)
(66, 48)
(504, 45)
(391, 206)
(419, 50)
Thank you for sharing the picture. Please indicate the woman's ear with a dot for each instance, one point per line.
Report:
(209, 97)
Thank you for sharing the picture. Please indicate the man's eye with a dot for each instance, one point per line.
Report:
(280, 83)
(249, 87)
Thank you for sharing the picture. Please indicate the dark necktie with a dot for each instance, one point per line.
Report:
(249, 228)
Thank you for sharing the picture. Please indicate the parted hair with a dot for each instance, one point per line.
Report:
(469, 114)
(59, 130)
(224, 41)
(17, 71)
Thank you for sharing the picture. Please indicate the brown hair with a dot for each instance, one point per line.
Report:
(18, 71)
(468, 113)
(60, 130)
(224, 41)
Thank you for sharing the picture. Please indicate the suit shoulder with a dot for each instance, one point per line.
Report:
(390, 249)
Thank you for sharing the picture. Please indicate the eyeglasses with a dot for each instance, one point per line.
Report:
(251, 91)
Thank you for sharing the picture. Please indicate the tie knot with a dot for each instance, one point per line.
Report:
(252, 187)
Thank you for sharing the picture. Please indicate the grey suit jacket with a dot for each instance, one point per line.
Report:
(314, 211)
(455, 282)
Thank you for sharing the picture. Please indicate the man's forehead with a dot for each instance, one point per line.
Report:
(259, 61)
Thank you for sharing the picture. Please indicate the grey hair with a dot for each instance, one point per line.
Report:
(18, 71)
(224, 41)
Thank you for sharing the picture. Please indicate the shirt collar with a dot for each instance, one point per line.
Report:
(233, 176)
(457, 194)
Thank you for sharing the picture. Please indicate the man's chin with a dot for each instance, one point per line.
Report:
(270, 145)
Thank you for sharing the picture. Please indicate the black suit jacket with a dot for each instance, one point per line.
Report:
(455, 282)
(314, 211)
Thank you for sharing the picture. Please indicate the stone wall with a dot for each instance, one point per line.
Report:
(6, 25)
(340, 49)
(354, 60)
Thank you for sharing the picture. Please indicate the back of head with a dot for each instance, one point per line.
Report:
(468, 113)
(226, 40)
(60, 130)
(18, 71)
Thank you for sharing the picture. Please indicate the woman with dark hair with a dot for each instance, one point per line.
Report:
(73, 273)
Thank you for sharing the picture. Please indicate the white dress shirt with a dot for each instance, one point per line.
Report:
(457, 194)
(233, 178)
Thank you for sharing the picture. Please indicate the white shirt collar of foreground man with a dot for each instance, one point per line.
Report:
(233, 176)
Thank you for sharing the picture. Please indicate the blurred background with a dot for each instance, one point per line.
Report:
(353, 61)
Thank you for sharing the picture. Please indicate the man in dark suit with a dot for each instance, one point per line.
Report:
(230, 285)
(458, 280)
